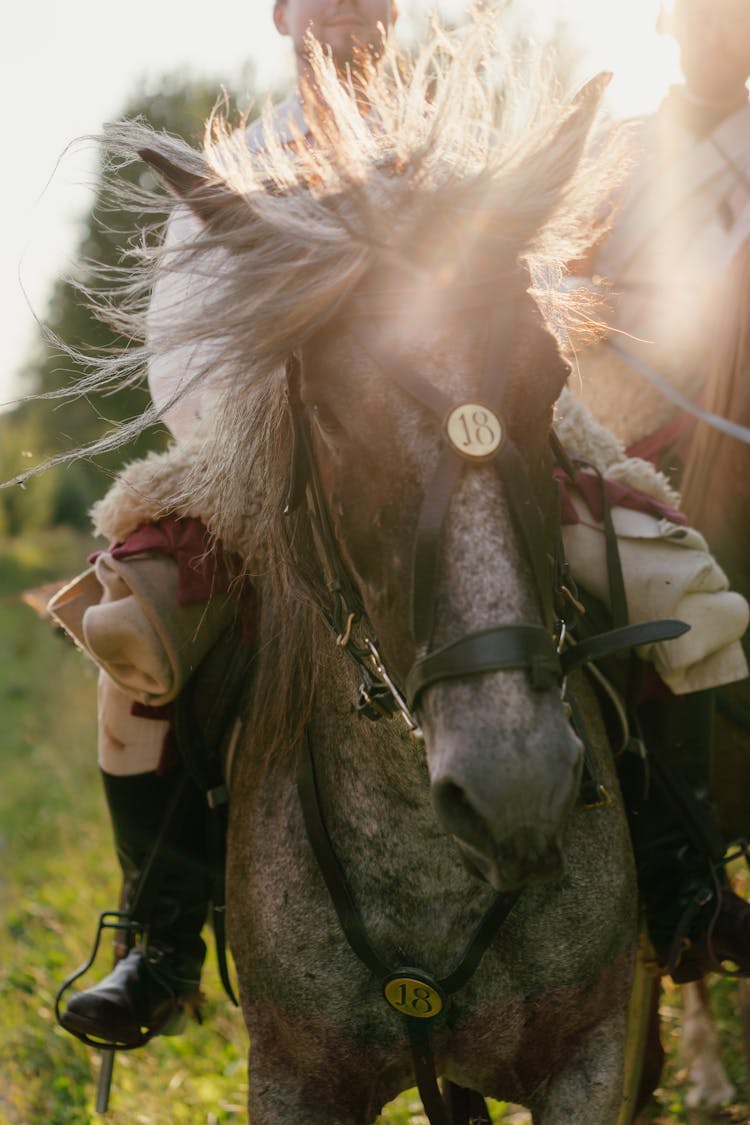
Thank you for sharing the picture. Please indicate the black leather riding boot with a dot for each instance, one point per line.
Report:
(167, 892)
(694, 920)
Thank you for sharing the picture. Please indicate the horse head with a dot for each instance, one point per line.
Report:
(432, 542)
(397, 272)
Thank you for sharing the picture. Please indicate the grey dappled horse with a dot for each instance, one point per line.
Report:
(401, 248)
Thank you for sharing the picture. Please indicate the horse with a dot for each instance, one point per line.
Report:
(428, 895)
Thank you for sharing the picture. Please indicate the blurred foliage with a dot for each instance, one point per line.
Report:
(38, 429)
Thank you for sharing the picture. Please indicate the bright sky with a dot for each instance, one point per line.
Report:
(65, 68)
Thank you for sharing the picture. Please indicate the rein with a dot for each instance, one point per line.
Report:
(473, 434)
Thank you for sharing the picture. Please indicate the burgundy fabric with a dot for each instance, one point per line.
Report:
(170, 750)
(619, 496)
(204, 570)
(653, 688)
(675, 437)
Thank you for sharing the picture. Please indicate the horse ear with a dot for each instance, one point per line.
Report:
(553, 168)
(210, 201)
(590, 94)
(574, 131)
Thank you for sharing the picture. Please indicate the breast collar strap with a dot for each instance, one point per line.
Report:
(353, 927)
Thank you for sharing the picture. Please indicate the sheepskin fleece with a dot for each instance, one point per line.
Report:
(144, 491)
(584, 437)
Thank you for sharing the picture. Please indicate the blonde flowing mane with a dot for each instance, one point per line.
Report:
(461, 144)
(461, 137)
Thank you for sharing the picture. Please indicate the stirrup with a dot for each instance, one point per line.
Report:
(115, 920)
(701, 956)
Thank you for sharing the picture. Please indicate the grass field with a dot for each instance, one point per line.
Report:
(57, 872)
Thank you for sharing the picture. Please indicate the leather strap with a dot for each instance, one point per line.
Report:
(465, 1107)
(476, 946)
(617, 640)
(490, 650)
(354, 930)
(424, 1072)
(328, 862)
(343, 900)
(425, 566)
(530, 522)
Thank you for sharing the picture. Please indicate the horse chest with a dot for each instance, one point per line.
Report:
(303, 987)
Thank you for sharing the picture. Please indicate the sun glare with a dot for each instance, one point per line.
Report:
(622, 38)
(593, 35)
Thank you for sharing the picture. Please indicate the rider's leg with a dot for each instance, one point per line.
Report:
(149, 800)
(162, 969)
(693, 917)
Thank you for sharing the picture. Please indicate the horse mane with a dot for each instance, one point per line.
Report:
(460, 139)
(461, 135)
(716, 485)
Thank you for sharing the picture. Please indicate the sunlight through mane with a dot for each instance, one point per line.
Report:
(460, 137)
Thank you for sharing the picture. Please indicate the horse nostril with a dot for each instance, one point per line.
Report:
(459, 816)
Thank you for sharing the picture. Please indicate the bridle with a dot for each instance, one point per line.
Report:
(473, 433)
(478, 425)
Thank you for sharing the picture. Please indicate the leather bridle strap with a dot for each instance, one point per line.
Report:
(500, 647)
(529, 647)
(619, 640)
(354, 930)
(305, 479)
(530, 522)
(427, 547)
(437, 495)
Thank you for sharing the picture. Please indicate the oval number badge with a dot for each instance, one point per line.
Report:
(474, 430)
(413, 996)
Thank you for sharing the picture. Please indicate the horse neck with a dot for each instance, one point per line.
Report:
(364, 762)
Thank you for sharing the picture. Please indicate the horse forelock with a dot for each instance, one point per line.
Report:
(439, 139)
(461, 139)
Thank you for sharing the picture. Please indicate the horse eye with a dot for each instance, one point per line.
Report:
(325, 418)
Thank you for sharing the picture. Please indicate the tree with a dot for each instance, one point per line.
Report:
(45, 428)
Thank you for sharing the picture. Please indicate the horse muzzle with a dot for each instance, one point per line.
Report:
(505, 795)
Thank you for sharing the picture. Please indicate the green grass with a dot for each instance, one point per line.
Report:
(57, 872)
